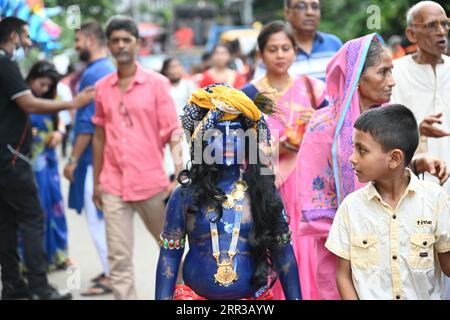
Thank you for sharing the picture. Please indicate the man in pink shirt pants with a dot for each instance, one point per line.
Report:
(135, 118)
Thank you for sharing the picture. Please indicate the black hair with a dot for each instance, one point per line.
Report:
(45, 69)
(266, 205)
(9, 25)
(120, 22)
(287, 3)
(235, 46)
(393, 127)
(206, 56)
(166, 65)
(274, 27)
(373, 55)
(221, 45)
(94, 28)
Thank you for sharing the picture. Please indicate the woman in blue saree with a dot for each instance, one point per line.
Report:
(47, 133)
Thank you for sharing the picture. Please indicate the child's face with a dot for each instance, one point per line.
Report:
(368, 159)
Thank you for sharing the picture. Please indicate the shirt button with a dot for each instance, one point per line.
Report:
(394, 217)
(124, 140)
(425, 243)
(123, 124)
(124, 157)
(394, 257)
(364, 241)
(397, 297)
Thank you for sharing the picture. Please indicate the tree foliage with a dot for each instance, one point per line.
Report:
(348, 18)
(99, 10)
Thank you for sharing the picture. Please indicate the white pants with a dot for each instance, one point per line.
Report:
(96, 225)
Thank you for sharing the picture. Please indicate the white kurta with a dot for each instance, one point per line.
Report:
(425, 92)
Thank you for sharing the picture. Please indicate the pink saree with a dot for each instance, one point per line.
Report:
(295, 104)
(325, 175)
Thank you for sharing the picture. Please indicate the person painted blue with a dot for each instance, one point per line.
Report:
(227, 206)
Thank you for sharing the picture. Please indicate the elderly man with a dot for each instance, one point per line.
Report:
(314, 48)
(423, 80)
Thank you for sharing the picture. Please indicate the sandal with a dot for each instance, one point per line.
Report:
(97, 289)
(98, 278)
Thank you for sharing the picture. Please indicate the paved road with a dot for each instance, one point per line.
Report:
(87, 263)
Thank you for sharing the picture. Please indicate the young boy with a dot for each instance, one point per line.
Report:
(392, 237)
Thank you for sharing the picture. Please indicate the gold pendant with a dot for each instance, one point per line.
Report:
(241, 185)
(238, 194)
(229, 203)
(225, 274)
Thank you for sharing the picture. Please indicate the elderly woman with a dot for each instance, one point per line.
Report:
(359, 77)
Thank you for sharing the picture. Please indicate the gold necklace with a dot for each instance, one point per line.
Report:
(274, 91)
(226, 274)
(237, 194)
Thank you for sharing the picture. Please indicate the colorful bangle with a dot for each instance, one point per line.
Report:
(285, 238)
(171, 243)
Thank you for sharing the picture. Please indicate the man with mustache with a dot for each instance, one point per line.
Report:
(135, 118)
(91, 47)
(314, 48)
(423, 80)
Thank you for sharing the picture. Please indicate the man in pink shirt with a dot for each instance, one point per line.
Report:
(135, 118)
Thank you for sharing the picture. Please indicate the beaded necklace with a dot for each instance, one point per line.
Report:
(226, 274)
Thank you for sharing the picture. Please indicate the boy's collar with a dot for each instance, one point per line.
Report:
(413, 185)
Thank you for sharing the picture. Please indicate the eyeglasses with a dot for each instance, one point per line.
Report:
(433, 25)
(303, 6)
(124, 111)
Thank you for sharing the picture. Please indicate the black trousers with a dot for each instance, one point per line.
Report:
(20, 208)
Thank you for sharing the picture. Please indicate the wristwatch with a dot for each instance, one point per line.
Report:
(72, 160)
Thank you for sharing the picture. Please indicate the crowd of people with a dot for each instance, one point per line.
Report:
(294, 175)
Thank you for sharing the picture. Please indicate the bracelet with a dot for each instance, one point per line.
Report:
(285, 238)
(171, 244)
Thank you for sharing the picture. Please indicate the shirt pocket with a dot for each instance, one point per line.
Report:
(422, 251)
(365, 252)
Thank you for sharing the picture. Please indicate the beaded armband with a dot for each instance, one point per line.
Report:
(171, 243)
(284, 238)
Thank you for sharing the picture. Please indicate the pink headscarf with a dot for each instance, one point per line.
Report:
(325, 173)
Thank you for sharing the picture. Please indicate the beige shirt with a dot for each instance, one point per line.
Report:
(393, 252)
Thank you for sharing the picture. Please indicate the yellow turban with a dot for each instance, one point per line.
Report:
(231, 101)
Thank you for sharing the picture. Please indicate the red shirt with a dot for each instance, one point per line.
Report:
(136, 132)
(207, 79)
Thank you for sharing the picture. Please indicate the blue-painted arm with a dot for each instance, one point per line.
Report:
(172, 246)
(286, 264)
